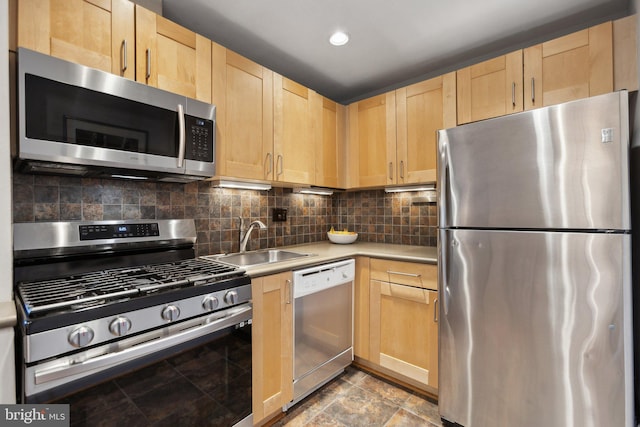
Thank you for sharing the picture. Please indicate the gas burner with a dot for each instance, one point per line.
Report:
(103, 287)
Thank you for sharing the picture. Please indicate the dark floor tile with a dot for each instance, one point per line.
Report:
(200, 412)
(209, 377)
(163, 401)
(361, 408)
(143, 380)
(235, 347)
(236, 399)
(195, 359)
(124, 415)
(96, 399)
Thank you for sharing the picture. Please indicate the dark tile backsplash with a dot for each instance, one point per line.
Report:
(374, 214)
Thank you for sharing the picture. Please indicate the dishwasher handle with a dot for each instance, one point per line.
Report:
(316, 279)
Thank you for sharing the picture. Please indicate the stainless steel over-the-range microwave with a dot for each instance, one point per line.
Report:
(78, 120)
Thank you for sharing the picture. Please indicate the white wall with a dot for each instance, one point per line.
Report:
(7, 366)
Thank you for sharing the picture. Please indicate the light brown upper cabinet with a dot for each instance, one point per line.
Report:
(171, 57)
(243, 95)
(625, 54)
(372, 141)
(96, 33)
(292, 132)
(490, 89)
(422, 109)
(571, 67)
(329, 121)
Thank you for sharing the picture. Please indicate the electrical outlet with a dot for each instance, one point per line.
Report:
(279, 215)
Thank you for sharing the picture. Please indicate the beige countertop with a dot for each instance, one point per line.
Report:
(323, 252)
(7, 314)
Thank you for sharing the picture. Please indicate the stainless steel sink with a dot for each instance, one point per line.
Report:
(247, 259)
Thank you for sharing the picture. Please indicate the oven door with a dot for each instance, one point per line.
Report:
(57, 377)
(76, 119)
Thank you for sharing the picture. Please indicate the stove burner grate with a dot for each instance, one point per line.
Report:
(98, 288)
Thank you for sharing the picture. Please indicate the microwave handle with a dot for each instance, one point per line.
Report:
(182, 142)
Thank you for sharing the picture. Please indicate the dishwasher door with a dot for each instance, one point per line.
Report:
(323, 325)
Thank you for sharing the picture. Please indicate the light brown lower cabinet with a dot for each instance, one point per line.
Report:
(272, 341)
(403, 321)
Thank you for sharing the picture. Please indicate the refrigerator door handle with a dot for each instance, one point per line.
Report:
(446, 294)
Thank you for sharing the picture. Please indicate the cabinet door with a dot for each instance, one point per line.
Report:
(404, 332)
(292, 137)
(372, 139)
(328, 127)
(272, 337)
(95, 33)
(422, 109)
(171, 57)
(243, 95)
(361, 297)
(490, 89)
(575, 66)
(625, 54)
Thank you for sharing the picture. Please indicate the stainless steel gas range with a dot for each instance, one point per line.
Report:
(99, 299)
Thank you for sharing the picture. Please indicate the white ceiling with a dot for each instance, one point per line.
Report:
(392, 42)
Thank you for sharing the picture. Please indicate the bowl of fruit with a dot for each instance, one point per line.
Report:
(343, 237)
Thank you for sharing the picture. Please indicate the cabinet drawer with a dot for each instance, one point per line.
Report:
(405, 273)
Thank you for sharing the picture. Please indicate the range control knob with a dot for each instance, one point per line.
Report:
(80, 336)
(231, 297)
(120, 326)
(210, 303)
(170, 313)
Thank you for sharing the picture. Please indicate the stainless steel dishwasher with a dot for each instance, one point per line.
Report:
(322, 325)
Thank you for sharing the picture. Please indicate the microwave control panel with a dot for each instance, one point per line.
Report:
(199, 134)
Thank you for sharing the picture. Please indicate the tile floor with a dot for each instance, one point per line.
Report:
(357, 398)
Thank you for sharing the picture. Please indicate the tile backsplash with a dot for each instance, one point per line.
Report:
(376, 215)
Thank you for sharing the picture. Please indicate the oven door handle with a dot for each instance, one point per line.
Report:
(213, 324)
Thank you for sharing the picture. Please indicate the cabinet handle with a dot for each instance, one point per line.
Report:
(513, 93)
(269, 163)
(400, 273)
(391, 171)
(435, 310)
(533, 90)
(123, 56)
(402, 169)
(148, 55)
(280, 161)
(289, 291)
(182, 142)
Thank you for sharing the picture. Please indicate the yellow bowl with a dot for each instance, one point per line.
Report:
(342, 239)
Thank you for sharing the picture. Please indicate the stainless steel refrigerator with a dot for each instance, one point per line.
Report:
(535, 268)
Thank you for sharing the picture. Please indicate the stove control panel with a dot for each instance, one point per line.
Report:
(118, 231)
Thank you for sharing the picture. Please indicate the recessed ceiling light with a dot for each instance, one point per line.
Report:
(339, 38)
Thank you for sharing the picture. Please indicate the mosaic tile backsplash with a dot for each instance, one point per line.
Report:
(374, 214)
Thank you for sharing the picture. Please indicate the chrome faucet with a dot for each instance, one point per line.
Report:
(244, 234)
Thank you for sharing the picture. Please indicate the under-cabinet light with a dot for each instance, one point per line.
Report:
(314, 190)
(243, 185)
(425, 187)
(129, 176)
